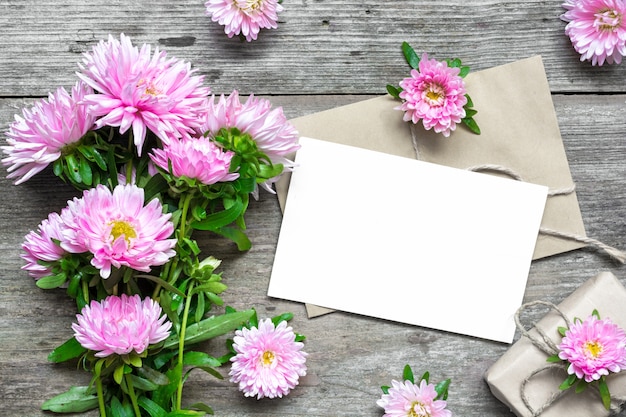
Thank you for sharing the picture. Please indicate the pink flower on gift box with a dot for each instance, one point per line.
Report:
(268, 361)
(199, 159)
(407, 399)
(38, 138)
(434, 94)
(142, 91)
(121, 325)
(244, 17)
(118, 229)
(597, 29)
(593, 348)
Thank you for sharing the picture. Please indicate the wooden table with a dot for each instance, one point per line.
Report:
(325, 53)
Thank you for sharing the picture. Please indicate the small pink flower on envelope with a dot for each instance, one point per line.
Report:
(435, 95)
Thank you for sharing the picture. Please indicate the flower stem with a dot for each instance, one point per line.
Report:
(181, 347)
(183, 217)
(131, 393)
(98, 370)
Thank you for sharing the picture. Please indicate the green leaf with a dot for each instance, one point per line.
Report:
(568, 382)
(75, 400)
(411, 57)
(236, 235)
(202, 407)
(282, 317)
(595, 314)
(470, 112)
(200, 307)
(385, 389)
(73, 170)
(269, 171)
(156, 185)
(394, 91)
(464, 71)
(153, 375)
(185, 413)
(69, 350)
(151, 407)
(562, 330)
(581, 386)
(470, 103)
(220, 219)
(604, 393)
(442, 389)
(200, 359)
(57, 167)
(121, 410)
(424, 377)
(407, 374)
(211, 327)
(118, 374)
(214, 287)
(553, 359)
(143, 384)
(85, 171)
(51, 281)
(471, 124)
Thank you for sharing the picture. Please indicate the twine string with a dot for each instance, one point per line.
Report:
(614, 253)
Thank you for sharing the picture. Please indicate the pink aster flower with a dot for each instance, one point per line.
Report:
(597, 29)
(195, 158)
(411, 400)
(269, 362)
(118, 229)
(245, 17)
(268, 127)
(121, 325)
(435, 95)
(42, 245)
(38, 138)
(142, 90)
(594, 348)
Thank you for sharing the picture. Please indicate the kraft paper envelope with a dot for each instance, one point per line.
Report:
(404, 240)
(519, 131)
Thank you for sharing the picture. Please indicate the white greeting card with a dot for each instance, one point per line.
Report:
(406, 240)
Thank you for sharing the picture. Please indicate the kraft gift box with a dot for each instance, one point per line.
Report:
(603, 292)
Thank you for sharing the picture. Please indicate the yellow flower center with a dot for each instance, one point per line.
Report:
(120, 228)
(249, 6)
(268, 358)
(434, 95)
(593, 349)
(149, 88)
(607, 20)
(418, 410)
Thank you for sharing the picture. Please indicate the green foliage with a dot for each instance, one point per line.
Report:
(71, 349)
(75, 400)
(441, 388)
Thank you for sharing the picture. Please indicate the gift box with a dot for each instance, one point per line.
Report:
(523, 369)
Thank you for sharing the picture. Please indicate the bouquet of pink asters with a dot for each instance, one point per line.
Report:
(156, 157)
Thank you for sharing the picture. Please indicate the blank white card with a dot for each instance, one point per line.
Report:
(405, 240)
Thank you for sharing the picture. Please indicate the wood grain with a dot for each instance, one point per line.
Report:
(324, 54)
(354, 44)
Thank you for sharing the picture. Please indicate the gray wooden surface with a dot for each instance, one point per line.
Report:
(325, 53)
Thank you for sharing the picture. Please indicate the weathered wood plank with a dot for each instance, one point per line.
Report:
(320, 47)
(349, 356)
